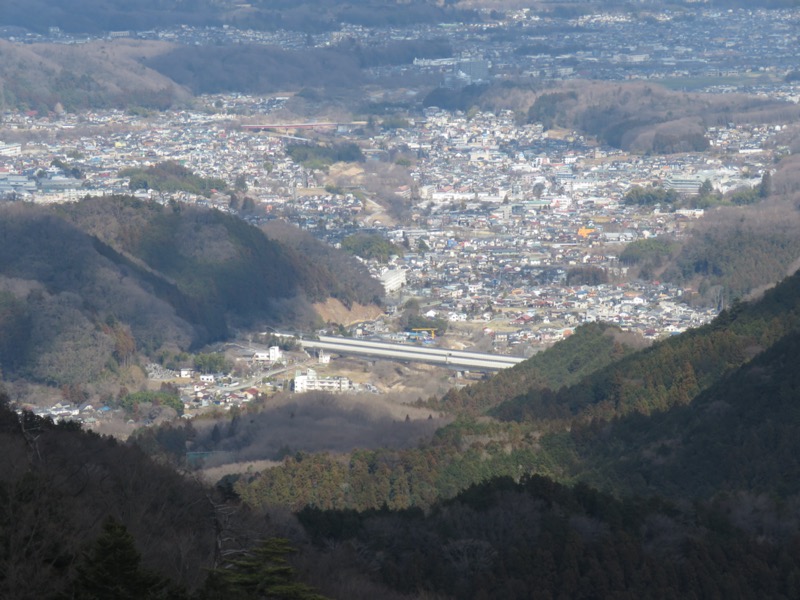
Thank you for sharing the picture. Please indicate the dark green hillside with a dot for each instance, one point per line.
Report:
(707, 419)
(538, 539)
(59, 484)
(85, 516)
(78, 282)
(459, 456)
(230, 264)
(170, 176)
(741, 434)
(655, 420)
(590, 348)
(671, 372)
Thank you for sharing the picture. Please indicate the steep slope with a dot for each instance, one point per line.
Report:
(727, 255)
(739, 435)
(343, 277)
(728, 462)
(232, 266)
(83, 516)
(90, 276)
(671, 372)
(589, 349)
(538, 539)
(85, 76)
(53, 276)
(689, 417)
(58, 484)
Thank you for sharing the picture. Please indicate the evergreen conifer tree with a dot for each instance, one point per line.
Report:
(262, 573)
(111, 569)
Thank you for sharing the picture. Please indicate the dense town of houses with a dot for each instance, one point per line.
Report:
(499, 212)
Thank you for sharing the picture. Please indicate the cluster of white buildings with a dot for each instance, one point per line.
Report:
(310, 381)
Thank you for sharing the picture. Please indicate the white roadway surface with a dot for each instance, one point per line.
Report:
(441, 356)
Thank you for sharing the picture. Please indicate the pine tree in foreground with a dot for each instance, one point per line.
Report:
(261, 573)
(111, 569)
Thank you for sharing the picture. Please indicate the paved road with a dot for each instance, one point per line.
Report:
(440, 356)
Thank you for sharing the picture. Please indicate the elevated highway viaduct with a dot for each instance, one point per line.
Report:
(440, 356)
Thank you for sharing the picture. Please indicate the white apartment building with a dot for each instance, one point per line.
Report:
(311, 382)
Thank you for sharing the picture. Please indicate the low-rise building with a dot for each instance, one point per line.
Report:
(311, 382)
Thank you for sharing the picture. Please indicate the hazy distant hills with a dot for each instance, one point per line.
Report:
(97, 281)
(262, 69)
(44, 77)
(634, 116)
(94, 16)
(311, 16)
(135, 73)
(637, 116)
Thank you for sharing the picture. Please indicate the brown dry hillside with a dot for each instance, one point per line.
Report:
(93, 75)
(638, 116)
(333, 311)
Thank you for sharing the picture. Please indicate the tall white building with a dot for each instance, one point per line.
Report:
(393, 280)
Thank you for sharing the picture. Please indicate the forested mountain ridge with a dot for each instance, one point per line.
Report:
(728, 461)
(85, 516)
(554, 412)
(58, 484)
(522, 536)
(538, 539)
(740, 435)
(592, 347)
(187, 244)
(97, 281)
(671, 372)
(713, 410)
(708, 419)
